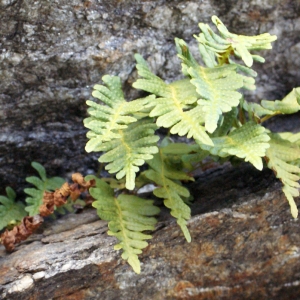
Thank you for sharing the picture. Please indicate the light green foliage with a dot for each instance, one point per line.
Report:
(216, 87)
(167, 177)
(115, 129)
(288, 105)
(280, 157)
(107, 120)
(207, 107)
(222, 46)
(249, 141)
(10, 210)
(128, 216)
(174, 105)
(267, 109)
(42, 184)
(136, 144)
(217, 90)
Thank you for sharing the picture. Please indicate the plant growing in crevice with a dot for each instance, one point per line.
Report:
(209, 108)
(49, 195)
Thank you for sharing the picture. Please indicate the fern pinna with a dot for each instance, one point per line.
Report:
(208, 107)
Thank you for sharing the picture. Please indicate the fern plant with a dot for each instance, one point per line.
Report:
(42, 184)
(10, 211)
(207, 107)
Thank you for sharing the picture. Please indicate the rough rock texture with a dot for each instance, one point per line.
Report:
(245, 245)
(53, 52)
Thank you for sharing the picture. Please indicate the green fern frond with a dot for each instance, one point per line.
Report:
(114, 113)
(226, 122)
(135, 145)
(178, 149)
(68, 207)
(216, 87)
(174, 154)
(256, 110)
(288, 105)
(41, 185)
(187, 58)
(159, 163)
(291, 137)
(268, 109)
(247, 74)
(175, 105)
(10, 210)
(188, 61)
(280, 157)
(249, 142)
(208, 57)
(172, 194)
(170, 189)
(228, 42)
(127, 217)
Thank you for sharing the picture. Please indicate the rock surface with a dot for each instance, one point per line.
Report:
(245, 245)
(53, 52)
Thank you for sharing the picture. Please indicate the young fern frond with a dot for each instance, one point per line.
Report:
(222, 46)
(127, 217)
(10, 210)
(256, 111)
(291, 137)
(41, 185)
(226, 123)
(280, 158)
(249, 142)
(181, 156)
(247, 75)
(267, 109)
(288, 105)
(217, 87)
(175, 105)
(170, 189)
(112, 115)
(137, 144)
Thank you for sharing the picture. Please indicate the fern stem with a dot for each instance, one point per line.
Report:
(100, 170)
(267, 117)
(242, 117)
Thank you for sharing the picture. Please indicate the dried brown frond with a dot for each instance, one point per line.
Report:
(50, 200)
(21, 232)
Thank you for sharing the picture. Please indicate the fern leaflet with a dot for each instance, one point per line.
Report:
(10, 210)
(106, 120)
(241, 45)
(288, 105)
(280, 157)
(216, 87)
(136, 144)
(250, 142)
(171, 190)
(41, 185)
(127, 217)
(174, 108)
